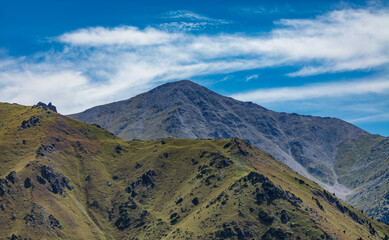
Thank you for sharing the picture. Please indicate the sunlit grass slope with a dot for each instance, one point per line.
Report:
(63, 179)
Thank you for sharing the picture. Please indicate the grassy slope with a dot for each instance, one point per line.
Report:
(163, 171)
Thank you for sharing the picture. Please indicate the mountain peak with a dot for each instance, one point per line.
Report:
(179, 85)
(313, 146)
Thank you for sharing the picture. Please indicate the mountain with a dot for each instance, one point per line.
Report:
(315, 147)
(64, 179)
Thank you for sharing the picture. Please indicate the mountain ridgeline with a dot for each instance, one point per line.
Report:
(64, 179)
(330, 151)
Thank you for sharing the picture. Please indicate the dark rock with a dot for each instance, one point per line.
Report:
(40, 180)
(109, 184)
(118, 149)
(174, 221)
(265, 218)
(147, 178)
(225, 233)
(195, 201)
(33, 121)
(124, 220)
(179, 201)
(54, 223)
(46, 149)
(284, 217)
(143, 214)
(48, 173)
(15, 237)
(340, 206)
(219, 161)
(88, 178)
(28, 183)
(174, 218)
(49, 106)
(2, 190)
(254, 178)
(3, 183)
(57, 182)
(276, 233)
(138, 165)
(372, 230)
(269, 192)
(319, 204)
(11, 177)
(95, 204)
(240, 234)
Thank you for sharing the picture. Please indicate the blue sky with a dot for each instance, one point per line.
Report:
(325, 58)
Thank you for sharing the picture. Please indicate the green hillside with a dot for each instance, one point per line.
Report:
(63, 179)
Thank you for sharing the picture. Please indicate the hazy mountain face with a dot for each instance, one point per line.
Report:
(312, 146)
(64, 179)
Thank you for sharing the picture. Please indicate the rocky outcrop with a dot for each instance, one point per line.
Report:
(31, 122)
(49, 106)
(58, 182)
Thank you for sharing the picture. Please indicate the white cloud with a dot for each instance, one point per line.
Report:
(338, 89)
(127, 35)
(100, 65)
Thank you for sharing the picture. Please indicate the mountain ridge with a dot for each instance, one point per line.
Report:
(184, 109)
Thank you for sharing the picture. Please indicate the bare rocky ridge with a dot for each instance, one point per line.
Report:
(185, 109)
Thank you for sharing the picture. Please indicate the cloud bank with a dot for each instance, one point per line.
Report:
(99, 65)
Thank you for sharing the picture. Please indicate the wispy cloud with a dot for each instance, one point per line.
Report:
(99, 65)
(186, 21)
(186, 14)
(382, 117)
(326, 90)
(251, 77)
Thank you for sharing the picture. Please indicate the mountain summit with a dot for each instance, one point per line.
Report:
(316, 147)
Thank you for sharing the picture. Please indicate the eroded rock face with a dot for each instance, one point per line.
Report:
(57, 181)
(33, 121)
(39, 218)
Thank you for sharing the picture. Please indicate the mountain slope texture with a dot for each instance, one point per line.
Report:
(63, 179)
(340, 156)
